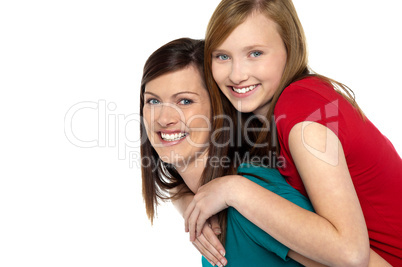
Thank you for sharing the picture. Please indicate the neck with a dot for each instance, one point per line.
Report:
(191, 171)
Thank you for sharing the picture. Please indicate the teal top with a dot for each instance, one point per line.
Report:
(248, 245)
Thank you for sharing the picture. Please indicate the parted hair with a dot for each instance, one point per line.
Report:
(158, 177)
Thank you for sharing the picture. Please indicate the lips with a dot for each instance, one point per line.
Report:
(170, 137)
(244, 90)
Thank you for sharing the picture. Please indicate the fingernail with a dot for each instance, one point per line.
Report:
(222, 253)
(219, 264)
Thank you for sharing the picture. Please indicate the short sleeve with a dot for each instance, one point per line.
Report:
(307, 103)
(258, 236)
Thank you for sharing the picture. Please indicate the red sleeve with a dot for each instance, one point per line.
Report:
(307, 100)
(312, 100)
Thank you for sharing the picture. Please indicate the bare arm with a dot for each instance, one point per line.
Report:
(375, 260)
(303, 260)
(335, 235)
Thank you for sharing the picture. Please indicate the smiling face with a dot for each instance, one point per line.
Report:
(177, 113)
(249, 64)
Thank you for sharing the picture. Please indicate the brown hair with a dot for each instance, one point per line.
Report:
(231, 13)
(157, 176)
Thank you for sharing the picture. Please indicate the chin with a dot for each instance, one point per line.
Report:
(245, 109)
(167, 160)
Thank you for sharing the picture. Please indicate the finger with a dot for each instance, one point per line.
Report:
(187, 215)
(204, 247)
(208, 255)
(214, 222)
(213, 244)
(210, 242)
(200, 224)
(192, 224)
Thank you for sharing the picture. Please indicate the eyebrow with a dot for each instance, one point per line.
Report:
(251, 47)
(175, 95)
(247, 48)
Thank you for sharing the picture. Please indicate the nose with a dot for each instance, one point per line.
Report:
(167, 114)
(238, 72)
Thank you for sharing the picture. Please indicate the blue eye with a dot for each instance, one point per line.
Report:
(223, 57)
(256, 54)
(153, 101)
(185, 101)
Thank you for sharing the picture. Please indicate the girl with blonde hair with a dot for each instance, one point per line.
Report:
(255, 53)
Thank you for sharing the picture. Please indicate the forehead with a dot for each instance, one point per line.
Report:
(187, 79)
(256, 30)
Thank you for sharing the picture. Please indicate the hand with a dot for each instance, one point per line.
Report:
(208, 244)
(208, 201)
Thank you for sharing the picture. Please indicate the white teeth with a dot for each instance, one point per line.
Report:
(172, 137)
(244, 90)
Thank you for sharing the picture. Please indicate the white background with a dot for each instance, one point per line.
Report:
(64, 205)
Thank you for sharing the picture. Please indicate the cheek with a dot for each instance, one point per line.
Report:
(272, 72)
(145, 116)
(200, 121)
(217, 72)
(146, 122)
(281, 63)
(200, 126)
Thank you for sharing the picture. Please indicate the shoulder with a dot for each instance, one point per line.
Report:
(312, 89)
(309, 99)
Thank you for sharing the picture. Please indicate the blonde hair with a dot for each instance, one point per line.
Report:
(231, 13)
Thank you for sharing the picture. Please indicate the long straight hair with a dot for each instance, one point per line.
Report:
(159, 177)
(231, 13)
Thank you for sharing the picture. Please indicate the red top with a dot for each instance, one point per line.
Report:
(374, 164)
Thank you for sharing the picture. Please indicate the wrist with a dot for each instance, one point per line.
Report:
(234, 192)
